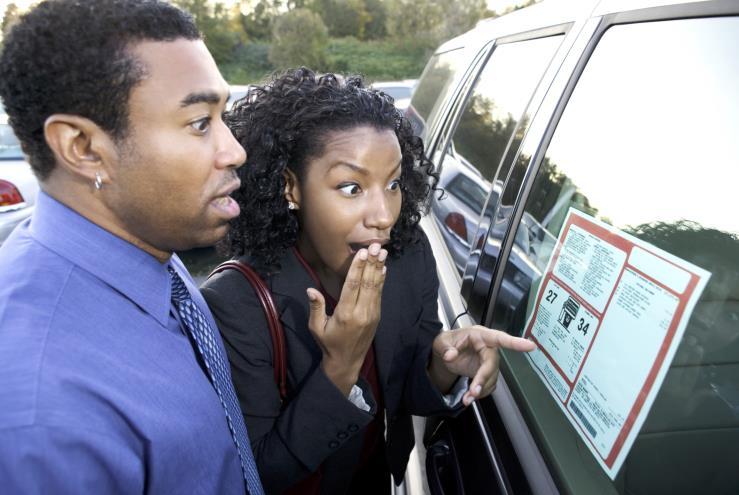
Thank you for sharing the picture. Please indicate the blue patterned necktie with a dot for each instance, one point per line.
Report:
(220, 376)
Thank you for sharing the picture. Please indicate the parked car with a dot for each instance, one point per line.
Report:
(401, 91)
(238, 91)
(619, 117)
(18, 186)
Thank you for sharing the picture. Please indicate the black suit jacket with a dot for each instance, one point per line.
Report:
(317, 424)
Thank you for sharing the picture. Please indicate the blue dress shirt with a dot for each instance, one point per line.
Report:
(100, 389)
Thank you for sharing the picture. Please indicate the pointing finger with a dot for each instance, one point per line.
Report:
(496, 338)
(486, 373)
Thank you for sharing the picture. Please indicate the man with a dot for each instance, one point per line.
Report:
(112, 378)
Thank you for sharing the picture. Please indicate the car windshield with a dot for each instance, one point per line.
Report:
(10, 148)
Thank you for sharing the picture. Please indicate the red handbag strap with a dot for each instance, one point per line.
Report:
(279, 355)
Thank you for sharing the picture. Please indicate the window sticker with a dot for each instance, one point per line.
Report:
(609, 315)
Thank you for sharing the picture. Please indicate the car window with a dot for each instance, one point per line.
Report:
(432, 89)
(468, 190)
(487, 122)
(646, 146)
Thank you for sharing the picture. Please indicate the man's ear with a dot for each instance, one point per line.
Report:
(292, 191)
(80, 146)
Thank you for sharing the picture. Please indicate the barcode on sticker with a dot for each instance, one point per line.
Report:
(583, 419)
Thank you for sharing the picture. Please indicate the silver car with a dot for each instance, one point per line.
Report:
(401, 91)
(18, 185)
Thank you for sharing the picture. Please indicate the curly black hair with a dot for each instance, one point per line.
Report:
(70, 56)
(284, 123)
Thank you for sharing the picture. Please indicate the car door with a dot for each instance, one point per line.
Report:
(636, 135)
(491, 110)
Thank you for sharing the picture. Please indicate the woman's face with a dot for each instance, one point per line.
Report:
(349, 197)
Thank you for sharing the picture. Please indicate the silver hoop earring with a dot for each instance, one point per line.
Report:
(292, 205)
(98, 181)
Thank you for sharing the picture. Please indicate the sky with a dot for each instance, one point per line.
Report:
(19, 3)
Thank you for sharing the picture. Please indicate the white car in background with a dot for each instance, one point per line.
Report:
(18, 185)
(238, 91)
(401, 91)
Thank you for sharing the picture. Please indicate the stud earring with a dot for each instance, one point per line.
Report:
(98, 181)
(292, 205)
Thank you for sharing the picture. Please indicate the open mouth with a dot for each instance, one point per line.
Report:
(356, 246)
(227, 205)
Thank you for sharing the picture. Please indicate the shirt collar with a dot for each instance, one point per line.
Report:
(126, 268)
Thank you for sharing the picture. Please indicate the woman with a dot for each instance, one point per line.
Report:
(332, 192)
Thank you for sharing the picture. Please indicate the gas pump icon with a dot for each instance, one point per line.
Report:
(569, 310)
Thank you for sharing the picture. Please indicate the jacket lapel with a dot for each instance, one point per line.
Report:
(288, 288)
(394, 321)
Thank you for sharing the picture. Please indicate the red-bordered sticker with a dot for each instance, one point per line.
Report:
(608, 316)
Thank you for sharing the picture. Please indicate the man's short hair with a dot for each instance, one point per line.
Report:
(72, 56)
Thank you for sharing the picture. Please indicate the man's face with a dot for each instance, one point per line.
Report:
(176, 167)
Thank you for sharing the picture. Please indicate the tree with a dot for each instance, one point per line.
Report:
(297, 4)
(343, 17)
(221, 26)
(426, 23)
(375, 28)
(482, 134)
(257, 24)
(299, 37)
(9, 18)
(460, 16)
(415, 22)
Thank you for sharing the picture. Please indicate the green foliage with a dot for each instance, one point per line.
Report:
(342, 17)
(250, 63)
(220, 26)
(427, 23)
(375, 28)
(415, 22)
(299, 37)
(10, 16)
(257, 24)
(376, 60)
(460, 16)
(380, 39)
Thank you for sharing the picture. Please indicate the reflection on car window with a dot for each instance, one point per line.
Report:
(432, 89)
(498, 100)
(468, 191)
(643, 145)
(486, 124)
